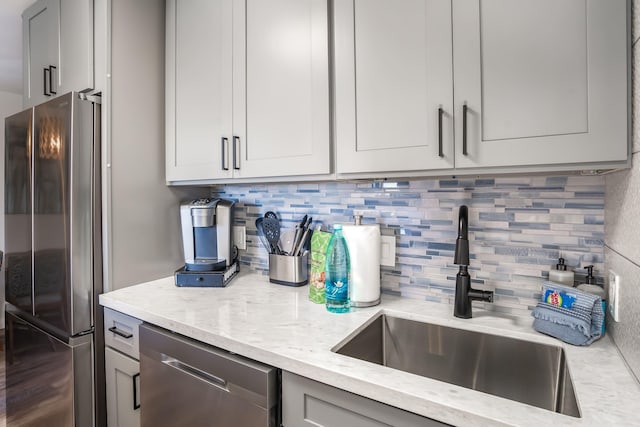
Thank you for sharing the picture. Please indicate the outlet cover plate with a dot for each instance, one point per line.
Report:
(614, 295)
(388, 251)
(240, 236)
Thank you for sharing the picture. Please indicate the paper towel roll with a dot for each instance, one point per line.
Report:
(364, 251)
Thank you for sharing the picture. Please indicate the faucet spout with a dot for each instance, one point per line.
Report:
(464, 293)
(461, 256)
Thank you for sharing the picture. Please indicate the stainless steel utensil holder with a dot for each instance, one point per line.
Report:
(289, 270)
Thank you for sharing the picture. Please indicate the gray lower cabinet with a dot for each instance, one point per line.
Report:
(310, 403)
(123, 384)
(122, 369)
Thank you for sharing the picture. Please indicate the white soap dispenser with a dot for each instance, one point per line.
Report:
(560, 274)
(589, 284)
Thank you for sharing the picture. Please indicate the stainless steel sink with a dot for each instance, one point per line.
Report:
(524, 371)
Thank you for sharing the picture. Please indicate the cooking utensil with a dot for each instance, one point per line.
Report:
(261, 235)
(298, 234)
(270, 214)
(271, 227)
(305, 233)
(286, 241)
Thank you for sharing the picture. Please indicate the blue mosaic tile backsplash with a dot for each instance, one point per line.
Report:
(518, 228)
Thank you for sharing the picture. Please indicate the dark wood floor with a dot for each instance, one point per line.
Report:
(3, 403)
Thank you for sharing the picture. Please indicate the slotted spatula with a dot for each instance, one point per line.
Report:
(271, 228)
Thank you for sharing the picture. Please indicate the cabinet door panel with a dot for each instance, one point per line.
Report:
(123, 397)
(281, 87)
(40, 49)
(309, 403)
(393, 73)
(76, 46)
(528, 94)
(544, 81)
(199, 78)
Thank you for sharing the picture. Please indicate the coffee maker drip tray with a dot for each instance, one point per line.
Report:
(206, 264)
(206, 279)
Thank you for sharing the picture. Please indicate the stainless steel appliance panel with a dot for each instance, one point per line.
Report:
(54, 275)
(63, 221)
(17, 204)
(189, 383)
(49, 381)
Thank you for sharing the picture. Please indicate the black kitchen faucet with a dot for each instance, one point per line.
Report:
(464, 293)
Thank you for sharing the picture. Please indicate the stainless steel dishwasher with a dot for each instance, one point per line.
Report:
(187, 383)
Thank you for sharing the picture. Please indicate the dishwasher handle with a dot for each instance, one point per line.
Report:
(195, 372)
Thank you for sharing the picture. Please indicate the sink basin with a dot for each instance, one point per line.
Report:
(524, 371)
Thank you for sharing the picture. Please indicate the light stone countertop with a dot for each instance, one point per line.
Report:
(279, 326)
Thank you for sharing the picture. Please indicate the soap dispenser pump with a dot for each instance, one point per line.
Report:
(590, 280)
(560, 274)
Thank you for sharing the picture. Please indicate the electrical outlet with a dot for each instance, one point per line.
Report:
(240, 236)
(614, 295)
(388, 251)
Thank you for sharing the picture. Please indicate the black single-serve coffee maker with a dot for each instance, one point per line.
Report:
(209, 253)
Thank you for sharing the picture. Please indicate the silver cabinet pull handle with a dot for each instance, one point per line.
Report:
(464, 129)
(120, 332)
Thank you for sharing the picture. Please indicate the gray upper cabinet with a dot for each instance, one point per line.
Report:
(58, 49)
(255, 102)
(40, 50)
(198, 89)
(426, 86)
(394, 85)
(544, 82)
(420, 87)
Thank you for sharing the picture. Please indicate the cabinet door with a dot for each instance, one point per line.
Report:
(198, 89)
(544, 81)
(281, 88)
(123, 389)
(76, 46)
(394, 89)
(310, 403)
(40, 51)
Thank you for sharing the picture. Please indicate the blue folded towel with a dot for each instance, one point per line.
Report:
(568, 314)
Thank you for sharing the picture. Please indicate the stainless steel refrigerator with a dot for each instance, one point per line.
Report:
(53, 264)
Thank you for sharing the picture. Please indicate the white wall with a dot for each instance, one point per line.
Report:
(622, 231)
(10, 103)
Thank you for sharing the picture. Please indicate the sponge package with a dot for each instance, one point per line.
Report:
(568, 314)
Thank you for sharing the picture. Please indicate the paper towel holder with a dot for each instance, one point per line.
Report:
(366, 289)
